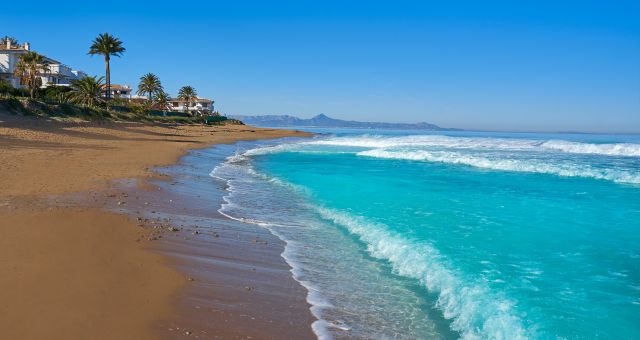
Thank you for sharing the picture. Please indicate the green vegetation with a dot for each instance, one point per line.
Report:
(29, 69)
(72, 112)
(187, 94)
(89, 98)
(162, 101)
(107, 45)
(87, 91)
(150, 85)
(3, 40)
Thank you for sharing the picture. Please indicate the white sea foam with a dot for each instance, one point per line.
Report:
(484, 143)
(610, 149)
(374, 141)
(320, 327)
(565, 169)
(475, 312)
(272, 149)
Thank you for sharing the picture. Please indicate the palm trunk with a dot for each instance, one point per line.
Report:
(106, 60)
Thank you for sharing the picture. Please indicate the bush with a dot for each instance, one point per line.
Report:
(12, 105)
(214, 119)
(5, 87)
(57, 94)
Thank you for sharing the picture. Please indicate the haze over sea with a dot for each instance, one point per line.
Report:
(411, 235)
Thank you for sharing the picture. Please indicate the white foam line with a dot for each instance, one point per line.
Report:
(507, 164)
(487, 143)
(314, 297)
(320, 327)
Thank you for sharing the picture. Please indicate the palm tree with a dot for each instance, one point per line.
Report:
(162, 101)
(187, 94)
(3, 41)
(29, 69)
(87, 91)
(107, 46)
(149, 84)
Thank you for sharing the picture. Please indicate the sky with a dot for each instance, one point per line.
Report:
(483, 65)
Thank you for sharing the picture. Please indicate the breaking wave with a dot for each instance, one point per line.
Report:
(484, 143)
(509, 164)
(475, 311)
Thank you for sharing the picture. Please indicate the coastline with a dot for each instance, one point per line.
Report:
(72, 267)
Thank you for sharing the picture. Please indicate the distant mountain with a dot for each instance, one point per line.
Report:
(323, 120)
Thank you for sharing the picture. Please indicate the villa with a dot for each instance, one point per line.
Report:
(120, 91)
(58, 73)
(198, 105)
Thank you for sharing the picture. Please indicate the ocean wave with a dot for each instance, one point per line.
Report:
(484, 143)
(475, 311)
(272, 149)
(610, 149)
(508, 164)
(376, 141)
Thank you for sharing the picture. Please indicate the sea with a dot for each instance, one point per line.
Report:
(447, 235)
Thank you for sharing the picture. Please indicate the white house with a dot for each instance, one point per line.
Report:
(58, 73)
(119, 91)
(198, 105)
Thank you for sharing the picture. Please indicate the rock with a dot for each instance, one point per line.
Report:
(190, 278)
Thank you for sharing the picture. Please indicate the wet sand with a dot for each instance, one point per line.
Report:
(72, 268)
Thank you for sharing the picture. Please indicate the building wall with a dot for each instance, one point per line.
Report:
(60, 74)
(195, 106)
(8, 62)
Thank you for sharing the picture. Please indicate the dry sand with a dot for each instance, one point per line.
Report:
(79, 273)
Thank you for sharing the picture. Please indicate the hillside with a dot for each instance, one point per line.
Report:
(323, 120)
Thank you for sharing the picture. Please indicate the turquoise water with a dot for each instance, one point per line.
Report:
(466, 235)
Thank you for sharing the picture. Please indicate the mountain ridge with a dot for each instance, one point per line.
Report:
(322, 120)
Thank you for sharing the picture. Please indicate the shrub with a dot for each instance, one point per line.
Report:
(57, 94)
(5, 87)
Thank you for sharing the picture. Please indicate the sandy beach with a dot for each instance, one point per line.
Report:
(71, 269)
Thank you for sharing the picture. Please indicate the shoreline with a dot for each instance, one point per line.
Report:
(97, 264)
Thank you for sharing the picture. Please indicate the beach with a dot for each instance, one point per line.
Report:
(74, 266)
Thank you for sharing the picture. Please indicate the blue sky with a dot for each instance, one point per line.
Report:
(496, 65)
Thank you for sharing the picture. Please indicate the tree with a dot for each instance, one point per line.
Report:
(3, 41)
(187, 94)
(162, 101)
(87, 91)
(29, 69)
(107, 45)
(150, 84)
